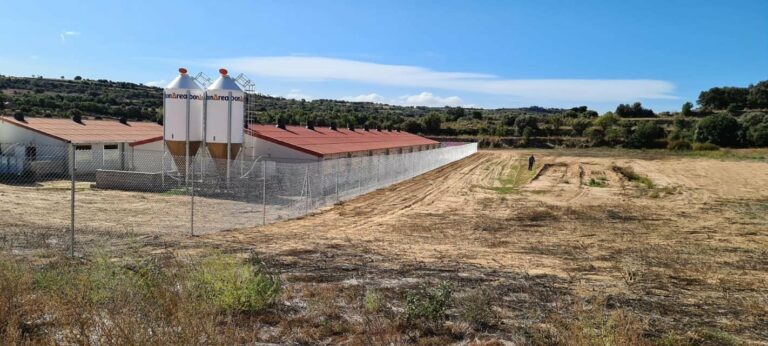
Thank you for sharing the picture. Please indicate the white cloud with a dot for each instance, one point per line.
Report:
(157, 83)
(429, 100)
(552, 90)
(373, 97)
(296, 94)
(422, 99)
(64, 34)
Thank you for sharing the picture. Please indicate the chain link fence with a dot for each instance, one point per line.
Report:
(50, 194)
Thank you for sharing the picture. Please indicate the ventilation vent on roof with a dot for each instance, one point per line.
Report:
(124, 120)
(351, 127)
(389, 128)
(280, 123)
(398, 129)
(366, 128)
(310, 125)
(333, 126)
(160, 121)
(378, 128)
(77, 118)
(19, 116)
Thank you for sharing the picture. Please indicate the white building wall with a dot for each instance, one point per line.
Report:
(47, 146)
(147, 157)
(255, 147)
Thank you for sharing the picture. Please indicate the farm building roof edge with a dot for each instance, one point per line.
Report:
(70, 135)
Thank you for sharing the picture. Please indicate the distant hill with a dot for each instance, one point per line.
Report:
(742, 111)
(47, 97)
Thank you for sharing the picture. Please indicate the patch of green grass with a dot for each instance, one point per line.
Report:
(427, 307)
(633, 176)
(372, 301)
(597, 182)
(176, 192)
(517, 176)
(233, 285)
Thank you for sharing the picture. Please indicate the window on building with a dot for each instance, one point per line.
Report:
(110, 152)
(83, 154)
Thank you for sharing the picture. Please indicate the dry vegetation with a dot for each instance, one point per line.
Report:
(664, 250)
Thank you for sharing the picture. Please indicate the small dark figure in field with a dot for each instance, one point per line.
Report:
(531, 162)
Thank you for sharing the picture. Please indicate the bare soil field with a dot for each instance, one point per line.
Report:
(684, 250)
(631, 249)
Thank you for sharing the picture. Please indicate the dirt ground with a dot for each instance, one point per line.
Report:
(680, 243)
(686, 249)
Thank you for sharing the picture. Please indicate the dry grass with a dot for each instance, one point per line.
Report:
(555, 262)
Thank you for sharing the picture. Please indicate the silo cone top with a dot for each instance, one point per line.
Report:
(224, 83)
(183, 81)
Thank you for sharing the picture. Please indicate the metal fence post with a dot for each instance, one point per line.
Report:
(192, 205)
(264, 194)
(72, 204)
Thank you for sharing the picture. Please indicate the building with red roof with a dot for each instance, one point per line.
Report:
(299, 143)
(44, 145)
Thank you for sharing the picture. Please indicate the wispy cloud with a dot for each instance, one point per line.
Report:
(296, 94)
(421, 99)
(157, 83)
(66, 34)
(429, 99)
(563, 90)
(372, 97)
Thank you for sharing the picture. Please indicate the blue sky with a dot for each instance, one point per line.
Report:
(470, 53)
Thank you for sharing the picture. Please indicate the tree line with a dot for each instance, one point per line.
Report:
(725, 116)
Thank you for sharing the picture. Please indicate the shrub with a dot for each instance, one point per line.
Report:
(645, 135)
(372, 302)
(596, 182)
(758, 135)
(475, 308)
(719, 129)
(526, 121)
(595, 134)
(704, 147)
(234, 286)
(579, 125)
(679, 145)
(15, 304)
(427, 307)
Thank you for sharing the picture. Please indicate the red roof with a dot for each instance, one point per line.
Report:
(324, 141)
(90, 131)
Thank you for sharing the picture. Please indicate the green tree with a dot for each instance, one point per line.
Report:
(687, 109)
(526, 121)
(758, 95)
(579, 125)
(758, 135)
(432, 123)
(645, 135)
(412, 126)
(722, 130)
(607, 120)
(456, 113)
(596, 135)
(635, 110)
(721, 98)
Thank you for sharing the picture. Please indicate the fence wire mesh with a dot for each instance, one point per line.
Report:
(109, 191)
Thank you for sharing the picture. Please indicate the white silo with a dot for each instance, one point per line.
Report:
(225, 110)
(183, 119)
